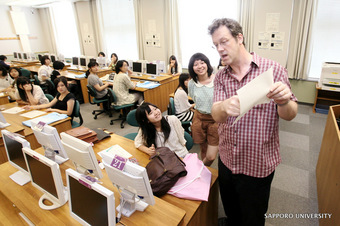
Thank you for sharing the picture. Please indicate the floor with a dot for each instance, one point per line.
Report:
(293, 192)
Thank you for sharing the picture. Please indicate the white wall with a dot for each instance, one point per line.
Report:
(37, 37)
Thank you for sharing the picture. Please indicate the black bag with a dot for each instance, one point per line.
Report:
(164, 169)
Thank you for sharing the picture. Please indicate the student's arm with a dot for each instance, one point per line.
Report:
(70, 106)
(41, 106)
(101, 88)
(140, 145)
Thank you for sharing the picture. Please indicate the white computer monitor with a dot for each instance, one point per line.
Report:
(90, 203)
(13, 145)
(19, 56)
(75, 61)
(82, 61)
(48, 137)
(152, 69)
(81, 154)
(15, 55)
(101, 61)
(3, 122)
(32, 56)
(25, 56)
(61, 57)
(133, 183)
(137, 67)
(45, 175)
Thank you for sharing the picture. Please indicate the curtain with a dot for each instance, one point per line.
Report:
(247, 13)
(48, 29)
(172, 30)
(300, 47)
(139, 28)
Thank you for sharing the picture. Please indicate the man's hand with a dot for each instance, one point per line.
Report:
(231, 106)
(280, 93)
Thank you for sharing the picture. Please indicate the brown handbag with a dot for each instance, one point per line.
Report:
(164, 169)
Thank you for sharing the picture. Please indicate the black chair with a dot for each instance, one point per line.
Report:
(92, 93)
(125, 108)
(76, 114)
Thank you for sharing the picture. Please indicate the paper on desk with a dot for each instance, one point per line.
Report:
(13, 110)
(116, 150)
(33, 114)
(255, 92)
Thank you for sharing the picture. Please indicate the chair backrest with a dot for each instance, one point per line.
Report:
(76, 114)
(112, 95)
(172, 107)
(36, 80)
(49, 97)
(25, 72)
(190, 141)
(131, 118)
(92, 91)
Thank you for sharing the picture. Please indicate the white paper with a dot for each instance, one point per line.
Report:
(13, 110)
(255, 92)
(33, 114)
(116, 150)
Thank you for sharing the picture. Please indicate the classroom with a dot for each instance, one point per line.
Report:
(144, 35)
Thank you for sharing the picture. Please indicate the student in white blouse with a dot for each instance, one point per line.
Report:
(158, 131)
(184, 110)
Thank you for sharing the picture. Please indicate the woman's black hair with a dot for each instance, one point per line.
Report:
(43, 58)
(182, 78)
(3, 70)
(172, 57)
(101, 53)
(22, 80)
(90, 65)
(58, 65)
(202, 57)
(148, 129)
(113, 54)
(60, 79)
(120, 64)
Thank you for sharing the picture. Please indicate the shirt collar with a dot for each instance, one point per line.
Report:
(255, 60)
(211, 84)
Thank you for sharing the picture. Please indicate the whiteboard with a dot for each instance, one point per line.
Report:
(272, 28)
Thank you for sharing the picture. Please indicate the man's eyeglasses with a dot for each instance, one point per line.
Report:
(223, 43)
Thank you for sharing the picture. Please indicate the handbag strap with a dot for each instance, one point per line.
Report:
(184, 185)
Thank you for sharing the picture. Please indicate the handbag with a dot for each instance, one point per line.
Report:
(196, 184)
(164, 169)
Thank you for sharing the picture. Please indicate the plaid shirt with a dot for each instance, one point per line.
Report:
(251, 146)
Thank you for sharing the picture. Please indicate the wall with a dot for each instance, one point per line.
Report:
(37, 37)
(305, 91)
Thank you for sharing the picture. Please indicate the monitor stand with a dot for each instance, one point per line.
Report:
(20, 178)
(55, 204)
(51, 154)
(130, 204)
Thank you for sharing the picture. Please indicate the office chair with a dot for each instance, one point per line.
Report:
(185, 124)
(190, 142)
(92, 93)
(76, 114)
(131, 120)
(26, 73)
(49, 97)
(125, 108)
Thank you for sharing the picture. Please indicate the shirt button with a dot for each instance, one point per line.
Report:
(235, 131)
(234, 145)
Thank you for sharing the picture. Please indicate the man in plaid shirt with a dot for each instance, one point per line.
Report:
(248, 150)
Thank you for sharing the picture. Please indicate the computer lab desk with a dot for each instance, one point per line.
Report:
(168, 209)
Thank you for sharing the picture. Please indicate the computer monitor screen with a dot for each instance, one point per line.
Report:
(39, 57)
(53, 58)
(132, 181)
(20, 56)
(48, 137)
(45, 175)
(90, 203)
(25, 56)
(151, 69)
(15, 55)
(93, 60)
(82, 61)
(137, 67)
(81, 154)
(75, 61)
(13, 144)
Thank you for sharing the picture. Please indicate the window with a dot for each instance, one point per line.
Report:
(119, 28)
(194, 20)
(65, 29)
(326, 46)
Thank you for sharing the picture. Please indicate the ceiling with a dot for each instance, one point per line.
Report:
(30, 3)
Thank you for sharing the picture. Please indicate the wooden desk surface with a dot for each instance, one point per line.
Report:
(162, 78)
(26, 62)
(32, 68)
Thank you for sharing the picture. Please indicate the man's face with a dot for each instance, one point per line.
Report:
(226, 45)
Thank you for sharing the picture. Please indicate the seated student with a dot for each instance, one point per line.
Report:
(57, 66)
(15, 73)
(101, 54)
(26, 93)
(122, 84)
(158, 131)
(114, 60)
(174, 68)
(44, 74)
(64, 101)
(5, 80)
(3, 59)
(97, 83)
(184, 110)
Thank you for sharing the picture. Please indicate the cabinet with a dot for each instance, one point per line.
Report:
(324, 99)
(328, 170)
